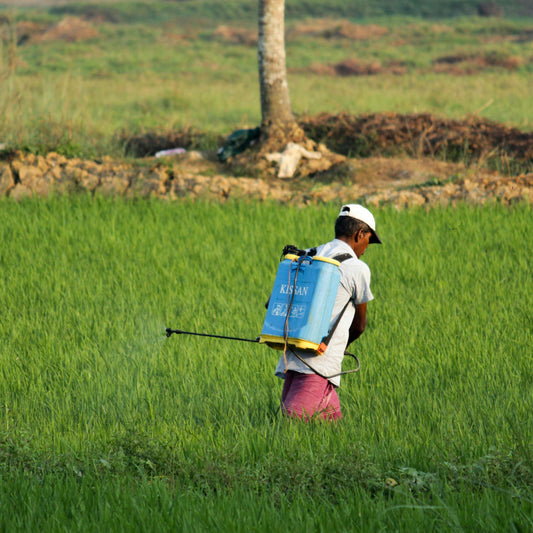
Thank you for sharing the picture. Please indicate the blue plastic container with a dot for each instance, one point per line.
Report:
(317, 282)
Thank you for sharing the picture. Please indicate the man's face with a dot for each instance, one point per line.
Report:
(362, 240)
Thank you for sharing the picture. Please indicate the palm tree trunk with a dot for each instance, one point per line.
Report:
(275, 102)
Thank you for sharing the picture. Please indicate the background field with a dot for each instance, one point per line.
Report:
(98, 406)
(82, 78)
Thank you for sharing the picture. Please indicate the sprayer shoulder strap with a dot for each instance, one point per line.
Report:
(327, 338)
(340, 258)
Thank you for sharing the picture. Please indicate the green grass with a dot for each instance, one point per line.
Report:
(153, 506)
(158, 12)
(107, 424)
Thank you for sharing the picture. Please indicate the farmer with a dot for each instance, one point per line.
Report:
(311, 390)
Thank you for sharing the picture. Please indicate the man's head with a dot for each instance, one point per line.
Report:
(356, 225)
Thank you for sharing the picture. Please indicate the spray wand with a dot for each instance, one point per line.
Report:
(181, 332)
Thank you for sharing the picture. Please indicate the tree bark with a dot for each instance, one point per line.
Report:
(276, 111)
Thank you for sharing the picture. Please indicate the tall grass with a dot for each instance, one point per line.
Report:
(98, 406)
(152, 506)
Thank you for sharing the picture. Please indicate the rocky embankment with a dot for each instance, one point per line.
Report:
(193, 176)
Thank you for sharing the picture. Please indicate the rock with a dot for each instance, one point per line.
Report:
(28, 159)
(194, 155)
(16, 165)
(55, 159)
(86, 180)
(143, 186)
(405, 199)
(55, 173)
(290, 157)
(43, 187)
(383, 197)
(28, 175)
(42, 164)
(113, 185)
(7, 181)
(33, 179)
(91, 166)
(20, 191)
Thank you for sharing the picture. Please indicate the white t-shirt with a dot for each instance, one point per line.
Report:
(354, 283)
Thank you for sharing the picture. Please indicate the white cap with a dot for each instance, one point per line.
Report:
(361, 213)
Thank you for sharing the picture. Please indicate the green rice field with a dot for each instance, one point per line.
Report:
(107, 425)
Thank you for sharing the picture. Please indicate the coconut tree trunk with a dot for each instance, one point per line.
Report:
(275, 102)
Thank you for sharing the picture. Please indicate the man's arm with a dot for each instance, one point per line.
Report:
(358, 324)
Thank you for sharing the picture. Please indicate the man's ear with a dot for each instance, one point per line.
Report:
(357, 235)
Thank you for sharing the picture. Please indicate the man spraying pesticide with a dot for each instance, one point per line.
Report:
(316, 309)
(311, 368)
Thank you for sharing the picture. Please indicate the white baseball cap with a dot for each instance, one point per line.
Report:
(361, 213)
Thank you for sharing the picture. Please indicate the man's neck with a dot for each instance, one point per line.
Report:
(350, 241)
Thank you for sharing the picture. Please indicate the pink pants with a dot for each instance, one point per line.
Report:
(308, 395)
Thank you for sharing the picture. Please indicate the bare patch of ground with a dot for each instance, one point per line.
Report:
(455, 65)
(336, 29)
(171, 38)
(27, 31)
(234, 35)
(69, 29)
(460, 64)
(356, 67)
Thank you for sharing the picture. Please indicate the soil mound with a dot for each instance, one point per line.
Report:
(462, 64)
(472, 142)
(149, 143)
(453, 65)
(229, 34)
(336, 29)
(423, 135)
(69, 29)
(27, 31)
(355, 67)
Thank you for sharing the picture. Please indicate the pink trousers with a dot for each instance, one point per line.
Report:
(307, 396)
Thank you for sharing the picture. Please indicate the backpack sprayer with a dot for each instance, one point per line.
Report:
(300, 306)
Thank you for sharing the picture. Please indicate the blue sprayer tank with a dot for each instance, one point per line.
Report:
(317, 282)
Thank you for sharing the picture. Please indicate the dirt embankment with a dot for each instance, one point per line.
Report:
(403, 160)
(473, 139)
(375, 181)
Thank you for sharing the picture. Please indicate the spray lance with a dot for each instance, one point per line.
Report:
(298, 314)
(170, 331)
